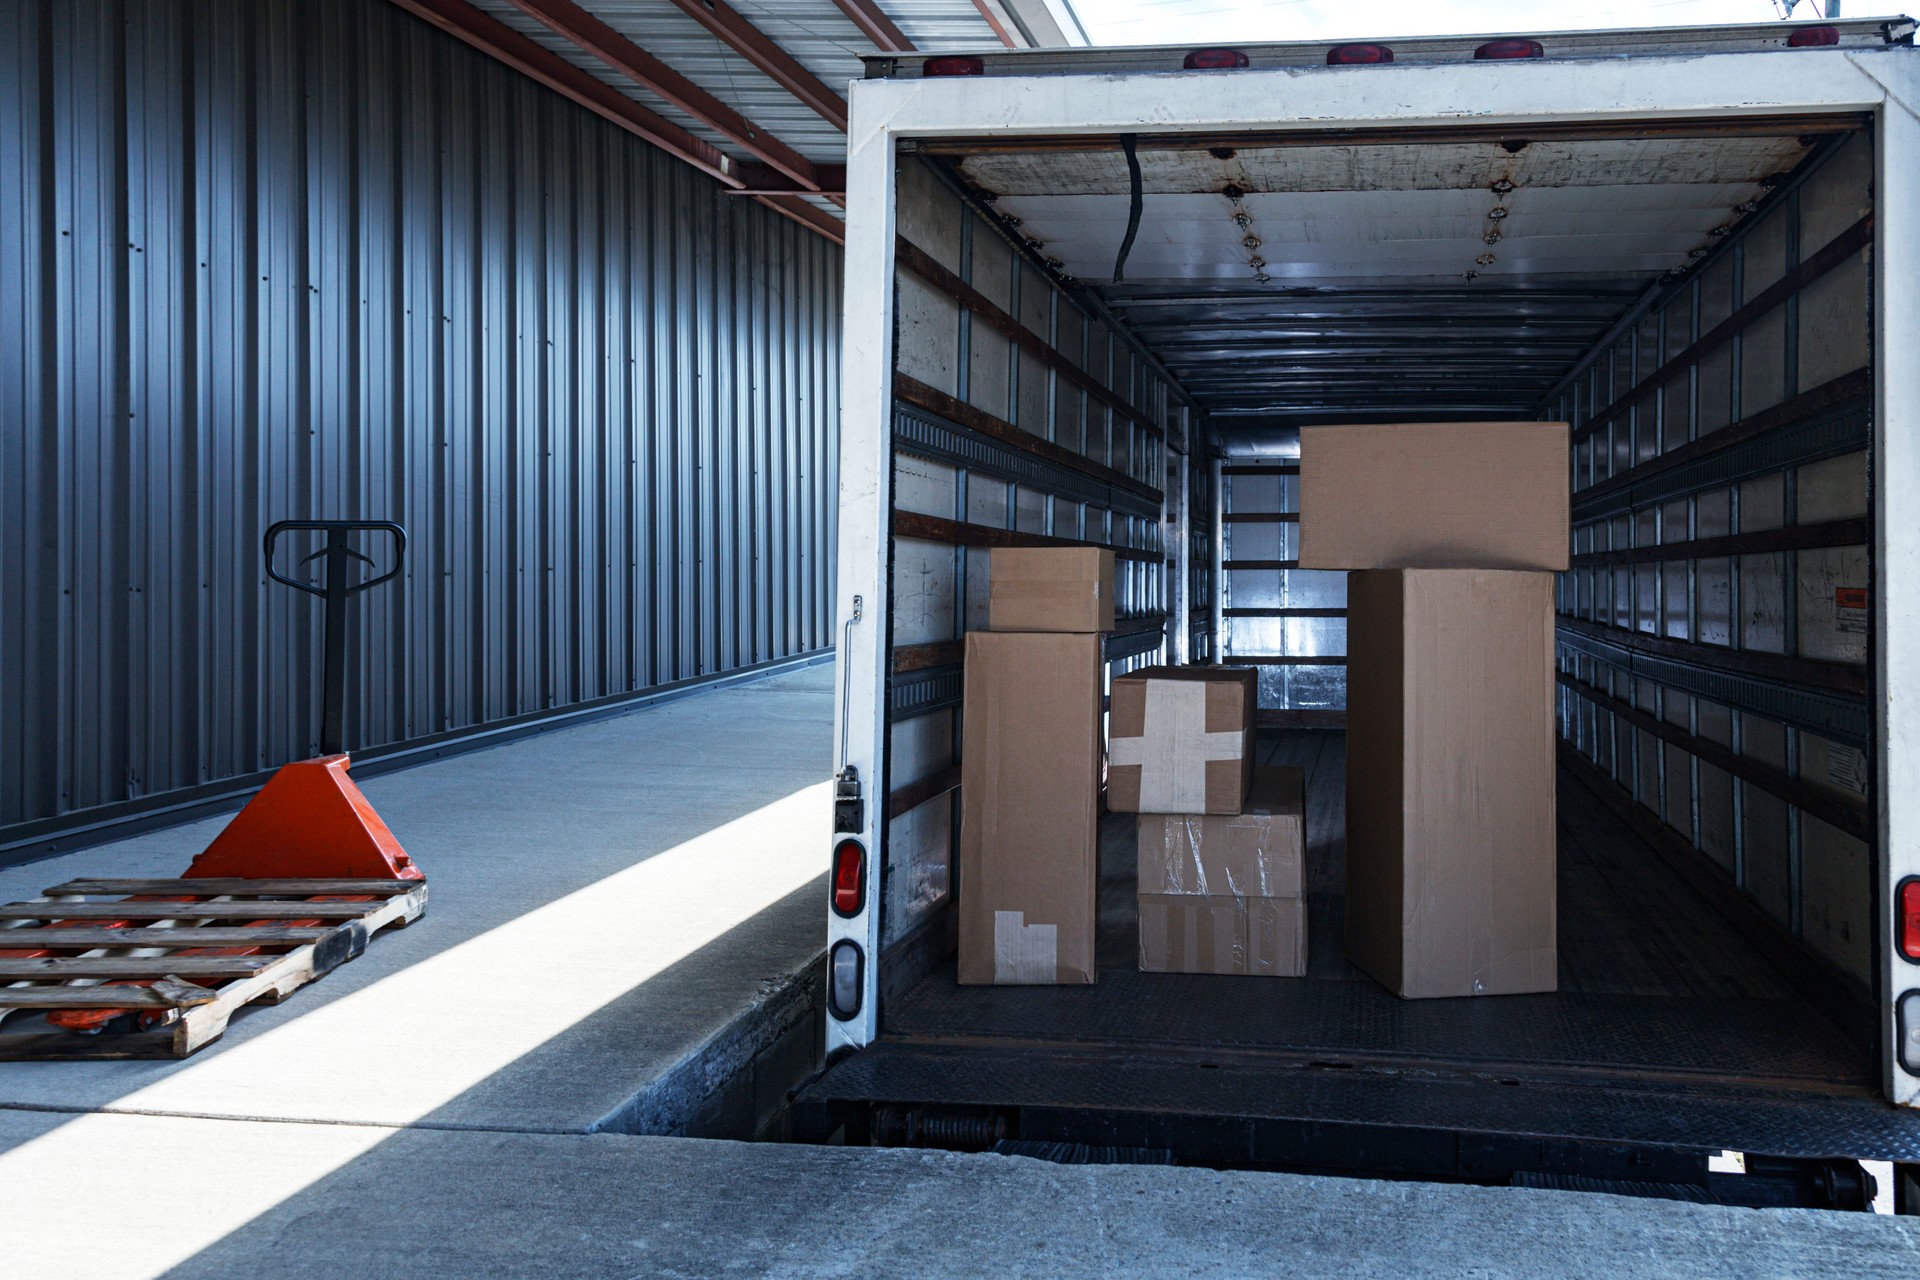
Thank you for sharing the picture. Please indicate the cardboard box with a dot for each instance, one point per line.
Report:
(1050, 589)
(1192, 933)
(1181, 739)
(1450, 780)
(1258, 853)
(1029, 803)
(1478, 495)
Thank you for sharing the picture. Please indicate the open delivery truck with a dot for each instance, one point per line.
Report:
(1093, 298)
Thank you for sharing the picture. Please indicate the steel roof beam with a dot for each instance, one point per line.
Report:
(502, 43)
(764, 180)
(499, 41)
(768, 58)
(876, 26)
(589, 34)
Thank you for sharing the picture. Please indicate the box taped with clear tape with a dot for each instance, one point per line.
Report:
(1258, 853)
(1216, 933)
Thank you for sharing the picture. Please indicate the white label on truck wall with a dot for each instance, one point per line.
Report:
(1847, 767)
(1850, 610)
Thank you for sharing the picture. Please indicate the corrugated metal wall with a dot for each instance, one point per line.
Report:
(270, 261)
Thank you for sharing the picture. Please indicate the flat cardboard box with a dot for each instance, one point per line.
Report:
(1450, 780)
(1029, 804)
(1257, 853)
(1191, 933)
(1050, 589)
(1434, 495)
(1181, 739)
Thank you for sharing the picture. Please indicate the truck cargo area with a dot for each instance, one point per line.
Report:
(1114, 339)
(1672, 1036)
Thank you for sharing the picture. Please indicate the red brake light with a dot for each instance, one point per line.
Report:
(1215, 60)
(849, 878)
(1355, 55)
(953, 65)
(1813, 37)
(1509, 49)
(1908, 930)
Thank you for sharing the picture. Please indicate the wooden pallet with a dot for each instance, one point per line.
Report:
(183, 1001)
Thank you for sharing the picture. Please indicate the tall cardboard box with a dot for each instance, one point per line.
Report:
(1450, 780)
(1181, 739)
(1225, 893)
(1050, 589)
(1029, 807)
(1441, 495)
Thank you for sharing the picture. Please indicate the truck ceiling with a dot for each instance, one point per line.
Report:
(1448, 273)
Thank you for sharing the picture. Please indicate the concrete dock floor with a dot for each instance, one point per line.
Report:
(604, 901)
(622, 914)
(220, 1198)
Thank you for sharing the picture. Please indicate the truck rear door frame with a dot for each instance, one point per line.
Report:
(1881, 83)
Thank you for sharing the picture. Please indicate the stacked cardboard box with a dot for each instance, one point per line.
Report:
(1030, 770)
(1227, 893)
(1220, 842)
(1453, 532)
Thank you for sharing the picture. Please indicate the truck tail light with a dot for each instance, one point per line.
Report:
(849, 878)
(1906, 929)
(1358, 55)
(1813, 37)
(953, 65)
(1909, 1031)
(1215, 60)
(1496, 49)
(843, 980)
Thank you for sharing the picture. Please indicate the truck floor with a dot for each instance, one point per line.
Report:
(1672, 1021)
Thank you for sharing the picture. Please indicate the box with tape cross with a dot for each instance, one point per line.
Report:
(1181, 740)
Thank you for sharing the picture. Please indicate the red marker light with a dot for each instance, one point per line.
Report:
(1813, 37)
(849, 878)
(1215, 60)
(953, 65)
(1907, 928)
(1496, 49)
(1358, 55)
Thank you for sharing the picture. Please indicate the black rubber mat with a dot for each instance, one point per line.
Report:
(1360, 1022)
(1709, 1117)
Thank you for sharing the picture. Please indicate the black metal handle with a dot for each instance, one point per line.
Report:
(338, 551)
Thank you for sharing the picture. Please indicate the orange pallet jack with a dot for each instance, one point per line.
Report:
(294, 887)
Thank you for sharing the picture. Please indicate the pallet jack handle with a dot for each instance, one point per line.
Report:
(338, 550)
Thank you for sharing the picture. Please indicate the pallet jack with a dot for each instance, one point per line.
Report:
(292, 888)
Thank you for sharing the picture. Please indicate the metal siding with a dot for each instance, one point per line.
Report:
(260, 262)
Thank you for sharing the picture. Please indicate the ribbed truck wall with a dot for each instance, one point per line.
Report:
(267, 261)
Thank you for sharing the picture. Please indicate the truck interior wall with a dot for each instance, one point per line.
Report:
(1721, 689)
(993, 361)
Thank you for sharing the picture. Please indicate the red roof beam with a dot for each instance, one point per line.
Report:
(753, 44)
(764, 180)
(876, 26)
(499, 41)
(590, 34)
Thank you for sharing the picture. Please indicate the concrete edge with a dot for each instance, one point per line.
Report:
(734, 1084)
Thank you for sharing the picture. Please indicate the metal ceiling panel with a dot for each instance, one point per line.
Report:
(1313, 282)
(1392, 169)
(815, 32)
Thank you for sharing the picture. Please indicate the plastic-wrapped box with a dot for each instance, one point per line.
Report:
(1225, 893)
